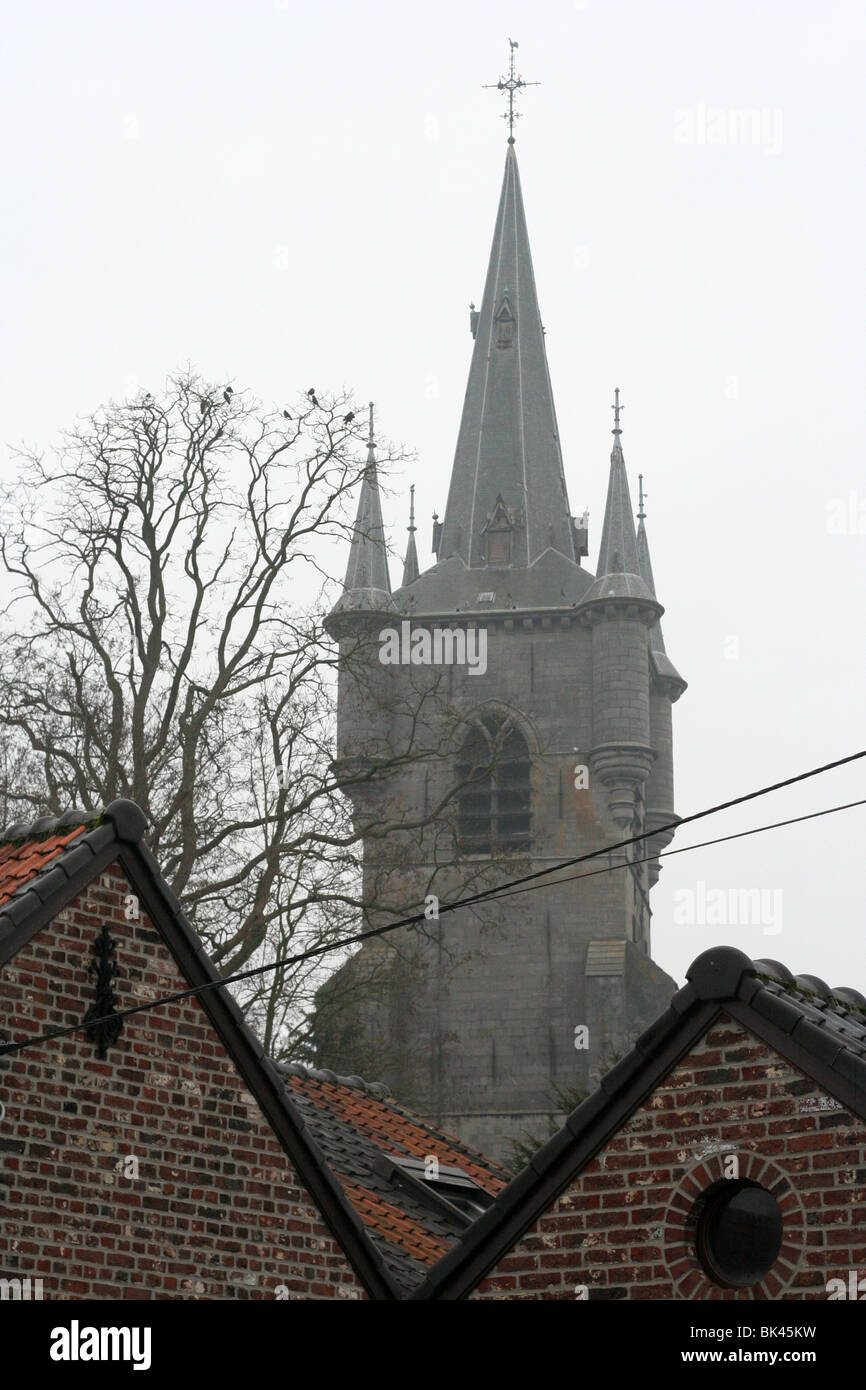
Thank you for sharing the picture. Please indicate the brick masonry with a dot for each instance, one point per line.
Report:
(153, 1173)
(623, 1228)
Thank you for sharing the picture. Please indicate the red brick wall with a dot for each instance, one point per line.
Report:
(216, 1211)
(622, 1230)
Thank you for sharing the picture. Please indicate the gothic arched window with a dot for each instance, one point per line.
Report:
(494, 808)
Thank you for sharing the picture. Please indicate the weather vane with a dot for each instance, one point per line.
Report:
(616, 408)
(511, 84)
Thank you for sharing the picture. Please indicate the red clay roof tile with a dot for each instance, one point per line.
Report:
(21, 861)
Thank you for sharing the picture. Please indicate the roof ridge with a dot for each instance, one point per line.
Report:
(128, 819)
(379, 1090)
(811, 986)
(44, 826)
(719, 972)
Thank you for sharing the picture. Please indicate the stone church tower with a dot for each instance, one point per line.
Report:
(557, 744)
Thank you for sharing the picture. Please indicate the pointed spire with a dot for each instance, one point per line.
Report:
(618, 574)
(367, 585)
(509, 439)
(410, 565)
(661, 662)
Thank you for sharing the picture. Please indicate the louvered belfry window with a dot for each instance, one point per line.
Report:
(494, 808)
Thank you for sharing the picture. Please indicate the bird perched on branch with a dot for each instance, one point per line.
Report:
(227, 395)
(286, 415)
(347, 419)
(312, 395)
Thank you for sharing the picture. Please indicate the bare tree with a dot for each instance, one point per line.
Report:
(170, 563)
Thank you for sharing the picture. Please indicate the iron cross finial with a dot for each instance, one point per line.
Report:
(617, 409)
(371, 440)
(511, 84)
(412, 526)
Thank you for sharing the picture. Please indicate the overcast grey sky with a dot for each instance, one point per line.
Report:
(291, 195)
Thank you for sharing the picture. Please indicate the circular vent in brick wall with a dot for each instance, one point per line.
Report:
(739, 1232)
(734, 1227)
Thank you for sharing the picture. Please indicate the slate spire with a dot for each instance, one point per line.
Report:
(410, 564)
(618, 572)
(367, 586)
(508, 445)
(662, 664)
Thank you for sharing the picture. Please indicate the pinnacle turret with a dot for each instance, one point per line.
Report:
(618, 574)
(410, 564)
(367, 587)
(662, 665)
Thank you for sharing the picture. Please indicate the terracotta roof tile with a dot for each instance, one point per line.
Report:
(357, 1124)
(21, 860)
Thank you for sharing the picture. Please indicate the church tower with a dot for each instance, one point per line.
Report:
(525, 706)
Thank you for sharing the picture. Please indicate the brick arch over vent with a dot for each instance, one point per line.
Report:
(678, 1235)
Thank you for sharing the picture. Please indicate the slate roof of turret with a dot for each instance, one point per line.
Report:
(659, 659)
(618, 574)
(367, 586)
(410, 564)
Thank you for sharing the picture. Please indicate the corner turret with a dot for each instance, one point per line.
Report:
(620, 609)
(666, 687)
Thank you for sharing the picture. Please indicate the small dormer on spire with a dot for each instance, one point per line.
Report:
(504, 319)
(497, 533)
(367, 587)
(410, 564)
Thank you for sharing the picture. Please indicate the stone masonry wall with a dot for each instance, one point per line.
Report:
(478, 1035)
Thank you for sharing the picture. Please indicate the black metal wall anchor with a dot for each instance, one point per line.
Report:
(105, 968)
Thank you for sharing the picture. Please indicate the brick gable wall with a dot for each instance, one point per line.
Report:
(622, 1229)
(216, 1210)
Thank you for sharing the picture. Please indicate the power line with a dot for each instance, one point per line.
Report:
(686, 849)
(503, 890)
